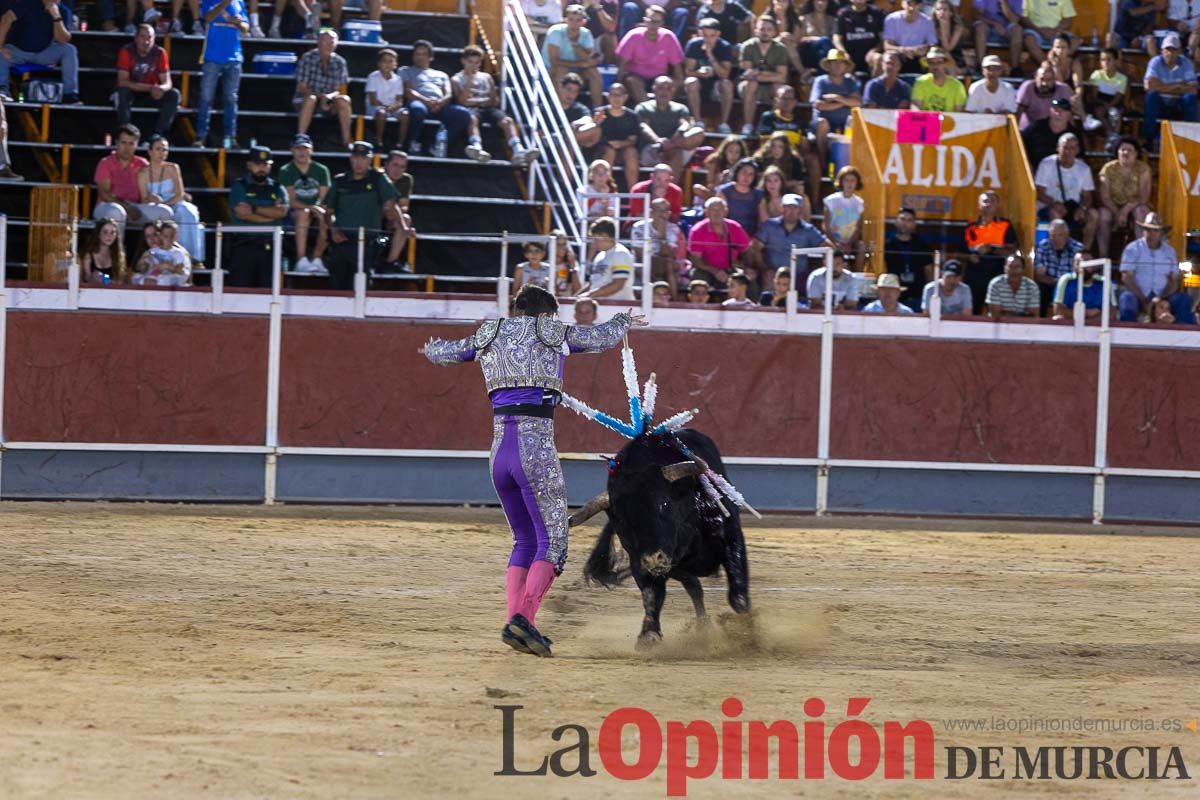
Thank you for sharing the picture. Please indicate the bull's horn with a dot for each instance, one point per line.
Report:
(684, 469)
(590, 509)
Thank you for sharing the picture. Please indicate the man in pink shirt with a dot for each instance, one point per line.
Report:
(716, 244)
(117, 185)
(648, 52)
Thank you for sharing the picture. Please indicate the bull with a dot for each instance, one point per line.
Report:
(667, 525)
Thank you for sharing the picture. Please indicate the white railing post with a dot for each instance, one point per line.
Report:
(360, 277)
(935, 302)
(217, 276)
(274, 338)
(1103, 376)
(502, 284)
(1078, 310)
(647, 293)
(825, 405)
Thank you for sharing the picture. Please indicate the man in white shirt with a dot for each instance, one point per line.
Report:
(990, 95)
(1065, 190)
(1150, 269)
(845, 286)
(611, 270)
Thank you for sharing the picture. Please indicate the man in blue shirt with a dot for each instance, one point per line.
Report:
(1170, 84)
(221, 60)
(38, 32)
(773, 242)
(1067, 291)
(889, 90)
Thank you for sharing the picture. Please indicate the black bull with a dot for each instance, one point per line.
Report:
(667, 525)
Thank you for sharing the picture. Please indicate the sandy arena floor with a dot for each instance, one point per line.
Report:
(202, 651)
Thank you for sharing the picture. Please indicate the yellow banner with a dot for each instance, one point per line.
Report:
(942, 179)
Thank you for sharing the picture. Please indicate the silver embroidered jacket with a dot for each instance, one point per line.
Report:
(526, 351)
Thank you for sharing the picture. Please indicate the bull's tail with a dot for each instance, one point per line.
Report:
(604, 565)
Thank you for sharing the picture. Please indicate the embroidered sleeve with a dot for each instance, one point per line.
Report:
(451, 351)
(597, 338)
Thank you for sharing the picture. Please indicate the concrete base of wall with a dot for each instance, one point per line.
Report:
(222, 477)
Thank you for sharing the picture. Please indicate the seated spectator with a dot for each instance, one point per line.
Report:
(566, 268)
(782, 118)
(385, 97)
(773, 186)
(738, 286)
(989, 94)
(1041, 138)
(773, 243)
(668, 129)
(658, 185)
(1106, 90)
(361, 198)
(719, 164)
(832, 97)
(733, 16)
(1067, 68)
(1160, 313)
(764, 65)
(309, 12)
(322, 79)
(149, 239)
(1150, 270)
(602, 16)
(541, 14)
(951, 35)
(1013, 294)
(1035, 95)
(160, 182)
(842, 220)
(6, 170)
(400, 223)
(1184, 18)
(143, 71)
(1066, 292)
(167, 264)
(476, 91)
(579, 116)
(888, 90)
(600, 182)
(1066, 190)
(776, 297)
(937, 90)
(374, 10)
(716, 244)
(908, 256)
(117, 190)
(1170, 85)
(707, 65)
(611, 271)
(255, 199)
(534, 270)
(777, 152)
(569, 48)
(102, 258)
(887, 286)
(619, 132)
(1040, 21)
(647, 52)
(667, 242)
(1125, 186)
(844, 286)
(989, 240)
(858, 32)
(698, 293)
(663, 296)
(1054, 258)
(909, 33)
(1134, 26)
(430, 95)
(742, 195)
(816, 35)
(994, 24)
(225, 21)
(306, 182)
(39, 32)
(585, 310)
(955, 295)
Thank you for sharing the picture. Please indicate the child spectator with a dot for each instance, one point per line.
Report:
(399, 223)
(167, 264)
(385, 96)
(306, 183)
(585, 312)
(619, 131)
(611, 273)
(534, 270)
(842, 221)
(566, 271)
(102, 259)
(1106, 91)
(476, 91)
(739, 284)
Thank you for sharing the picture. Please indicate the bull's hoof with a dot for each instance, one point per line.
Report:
(529, 636)
(648, 640)
(740, 603)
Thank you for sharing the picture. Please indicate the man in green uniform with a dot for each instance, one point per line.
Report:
(360, 198)
(255, 200)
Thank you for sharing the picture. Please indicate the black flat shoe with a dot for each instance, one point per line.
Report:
(513, 641)
(523, 629)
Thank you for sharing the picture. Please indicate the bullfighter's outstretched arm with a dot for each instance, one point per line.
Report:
(598, 338)
(450, 351)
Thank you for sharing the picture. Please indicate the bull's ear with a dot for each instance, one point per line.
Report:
(684, 469)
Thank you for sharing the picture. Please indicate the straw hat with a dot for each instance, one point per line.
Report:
(834, 55)
(1152, 222)
(888, 280)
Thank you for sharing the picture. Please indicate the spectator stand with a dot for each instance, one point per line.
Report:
(624, 227)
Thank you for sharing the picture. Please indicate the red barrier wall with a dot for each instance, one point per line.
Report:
(921, 400)
(1154, 414)
(141, 378)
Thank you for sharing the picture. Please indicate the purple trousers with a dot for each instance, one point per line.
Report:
(529, 483)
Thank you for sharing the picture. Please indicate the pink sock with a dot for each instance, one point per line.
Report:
(541, 575)
(514, 588)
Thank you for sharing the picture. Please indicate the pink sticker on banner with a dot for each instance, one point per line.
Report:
(918, 127)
